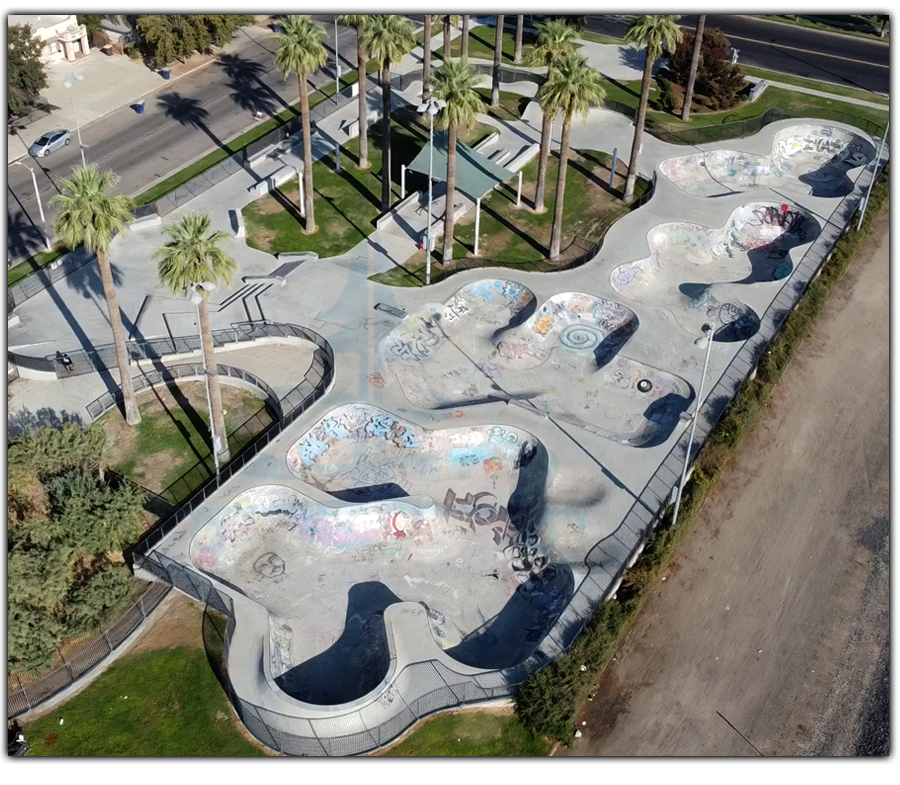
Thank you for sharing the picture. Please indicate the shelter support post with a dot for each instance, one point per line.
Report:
(477, 222)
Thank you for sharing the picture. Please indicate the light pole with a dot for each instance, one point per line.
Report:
(196, 299)
(431, 107)
(68, 85)
(37, 194)
(708, 335)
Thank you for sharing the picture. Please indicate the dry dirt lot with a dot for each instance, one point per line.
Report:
(770, 634)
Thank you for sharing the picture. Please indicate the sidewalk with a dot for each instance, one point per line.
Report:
(820, 93)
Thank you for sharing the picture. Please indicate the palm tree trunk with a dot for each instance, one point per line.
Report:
(556, 232)
(464, 54)
(132, 415)
(307, 156)
(546, 133)
(426, 60)
(386, 135)
(362, 78)
(695, 62)
(451, 194)
(638, 131)
(212, 379)
(446, 37)
(498, 52)
(520, 23)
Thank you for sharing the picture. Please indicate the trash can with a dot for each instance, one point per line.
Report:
(165, 73)
(140, 107)
(276, 27)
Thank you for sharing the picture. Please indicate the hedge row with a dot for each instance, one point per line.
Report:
(549, 701)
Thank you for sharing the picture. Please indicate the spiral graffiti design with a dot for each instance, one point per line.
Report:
(580, 336)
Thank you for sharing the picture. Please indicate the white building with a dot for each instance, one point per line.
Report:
(62, 36)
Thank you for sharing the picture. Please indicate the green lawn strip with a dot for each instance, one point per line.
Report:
(172, 453)
(470, 734)
(518, 238)
(599, 38)
(814, 84)
(33, 264)
(550, 700)
(158, 703)
(481, 44)
(800, 22)
(511, 108)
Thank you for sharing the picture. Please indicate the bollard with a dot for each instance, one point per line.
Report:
(612, 174)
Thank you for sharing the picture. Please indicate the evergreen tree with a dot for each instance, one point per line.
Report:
(25, 75)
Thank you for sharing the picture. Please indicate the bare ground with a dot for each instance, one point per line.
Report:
(770, 635)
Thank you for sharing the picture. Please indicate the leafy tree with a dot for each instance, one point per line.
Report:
(555, 40)
(572, 87)
(300, 52)
(455, 83)
(498, 53)
(93, 25)
(193, 256)
(717, 79)
(168, 37)
(64, 522)
(160, 39)
(358, 21)
(389, 38)
(25, 76)
(90, 215)
(576, 22)
(654, 33)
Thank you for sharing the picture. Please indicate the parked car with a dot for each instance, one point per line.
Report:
(50, 141)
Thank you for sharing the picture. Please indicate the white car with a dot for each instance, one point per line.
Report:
(50, 141)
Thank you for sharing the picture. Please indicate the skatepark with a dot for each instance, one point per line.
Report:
(491, 451)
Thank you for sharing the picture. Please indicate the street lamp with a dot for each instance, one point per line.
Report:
(197, 299)
(68, 85)
(431, 107)
(707, 339)
(37, 194)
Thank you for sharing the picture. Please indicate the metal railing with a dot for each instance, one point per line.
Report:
(26, 691)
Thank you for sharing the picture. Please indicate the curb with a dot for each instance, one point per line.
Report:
(816, 29)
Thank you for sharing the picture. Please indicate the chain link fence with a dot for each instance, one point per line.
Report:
(25, 690)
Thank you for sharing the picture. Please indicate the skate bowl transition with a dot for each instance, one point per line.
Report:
(817, 158)
(693, 270)
(489, 342)
(451, 519)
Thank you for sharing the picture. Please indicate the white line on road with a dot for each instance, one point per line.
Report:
(809, 51)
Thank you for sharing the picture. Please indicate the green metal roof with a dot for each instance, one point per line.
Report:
(475, 174)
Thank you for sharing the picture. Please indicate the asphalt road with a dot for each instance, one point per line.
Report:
(831, 57)
(200, 111)
(770, 635)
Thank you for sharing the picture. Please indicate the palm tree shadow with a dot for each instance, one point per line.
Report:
(187, 111)
(248, 90)
(24, 238)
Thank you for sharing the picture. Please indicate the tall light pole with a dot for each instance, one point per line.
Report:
(708, 335)
(37, 194)
(431, 107)
(68, 85)
(196, 299)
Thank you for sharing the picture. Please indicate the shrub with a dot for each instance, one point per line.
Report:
(666, 101)
(131, 49)
(717, 79)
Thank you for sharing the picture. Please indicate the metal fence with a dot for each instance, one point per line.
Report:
(35, 283)
(25, 691)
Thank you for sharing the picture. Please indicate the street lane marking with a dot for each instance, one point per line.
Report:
(809, 51)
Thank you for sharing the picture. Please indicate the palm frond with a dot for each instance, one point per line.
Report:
(654, 32)
(455, 82)
(388, 38)
(192, 255)
(572, 87)
(300, 50)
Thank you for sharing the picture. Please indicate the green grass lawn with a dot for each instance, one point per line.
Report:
(598, 38)
(481, 44)
(815, 84)
(517, 237)
(346, 202)
(470, 734)
(512, 105)
(169, 452)
(33, 264)
(157, 703)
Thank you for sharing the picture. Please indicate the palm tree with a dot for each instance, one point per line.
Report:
(554, 41)
(192, 256)
(90, 215)
(695, 62)
(498, 52)
(300, 52)
(454, 82)
(652, 32)
(520, 23)
(572, 87)
(426, 59)
(359, 21)
(388, 39)
(464, 52)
